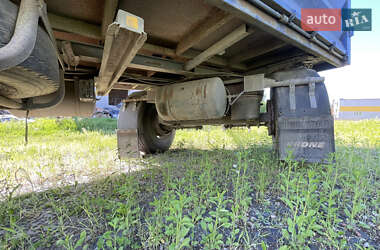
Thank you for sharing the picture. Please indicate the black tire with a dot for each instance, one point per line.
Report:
(39, 74)
(152, 137)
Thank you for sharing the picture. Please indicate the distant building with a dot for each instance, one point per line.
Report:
(358, 109)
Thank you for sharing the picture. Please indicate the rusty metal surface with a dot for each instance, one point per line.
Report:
(90, 11)
(194, 100)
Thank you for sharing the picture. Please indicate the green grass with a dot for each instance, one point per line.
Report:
(214, 189)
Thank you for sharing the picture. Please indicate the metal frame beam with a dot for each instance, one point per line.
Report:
(68, 54)
(132, 86)
(75, 26)
(141, 62)
(276, 58)
(109, 11)
(120, 48)
(257, 51)
(72, 37)
(164, 65)
(280, 64)
(190, 54)
(81, 32)
(232, 38)
(210, 24)
(264, 21)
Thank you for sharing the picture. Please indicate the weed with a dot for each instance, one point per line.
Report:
(215, 189)
(218, 220)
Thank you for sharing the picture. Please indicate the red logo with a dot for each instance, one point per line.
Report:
(321, 19)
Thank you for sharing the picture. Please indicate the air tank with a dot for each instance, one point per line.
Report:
(194, 100)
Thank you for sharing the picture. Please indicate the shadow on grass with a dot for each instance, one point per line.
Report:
(41, 219)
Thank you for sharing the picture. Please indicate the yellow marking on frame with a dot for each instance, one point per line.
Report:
(133, 22)
(358, 109)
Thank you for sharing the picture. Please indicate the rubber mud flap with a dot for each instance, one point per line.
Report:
(309, 139)
(306, 131)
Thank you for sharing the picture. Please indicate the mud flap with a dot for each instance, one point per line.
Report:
(127, 133)
(302, 124)
(309, 139)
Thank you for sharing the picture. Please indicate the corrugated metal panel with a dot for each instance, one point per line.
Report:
(359, 109)
(251, 13)
(341, 39)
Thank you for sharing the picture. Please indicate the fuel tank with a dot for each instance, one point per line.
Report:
(193, 100)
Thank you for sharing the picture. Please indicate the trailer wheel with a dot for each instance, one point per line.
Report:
(153, 137)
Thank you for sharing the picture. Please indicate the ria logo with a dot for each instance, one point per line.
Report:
(336, 19)
(356, 19)
(306, 144)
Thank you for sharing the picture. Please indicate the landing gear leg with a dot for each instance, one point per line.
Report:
(127, 135)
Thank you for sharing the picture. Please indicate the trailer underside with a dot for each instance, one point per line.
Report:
(178, 31)
(195, 62)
